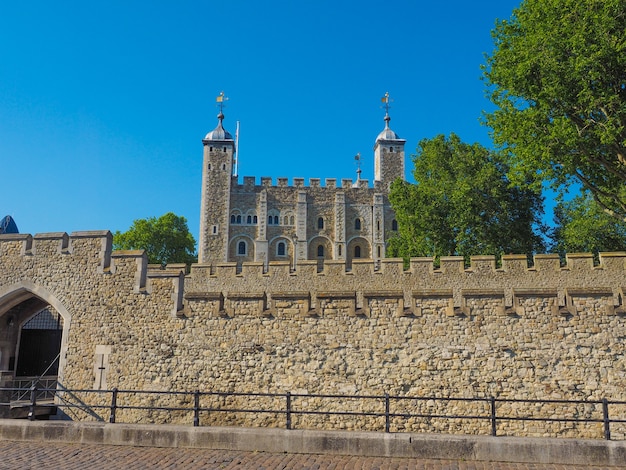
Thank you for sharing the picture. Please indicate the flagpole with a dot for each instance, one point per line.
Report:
(237, 150)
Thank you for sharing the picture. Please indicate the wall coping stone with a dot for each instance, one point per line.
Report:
(469, 448)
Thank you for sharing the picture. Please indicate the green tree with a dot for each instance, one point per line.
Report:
(582, 226)
(462, 204)
(558, 78)
(166, 239)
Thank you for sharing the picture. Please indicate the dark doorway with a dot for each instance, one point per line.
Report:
(40, 343)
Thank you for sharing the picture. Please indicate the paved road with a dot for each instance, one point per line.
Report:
(33, 455)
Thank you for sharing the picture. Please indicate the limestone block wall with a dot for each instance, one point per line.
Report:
(544, 332)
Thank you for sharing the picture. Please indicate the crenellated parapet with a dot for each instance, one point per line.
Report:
(266, 182)
(83, 260)
(313, 289)
(455, 285)
(309, 290)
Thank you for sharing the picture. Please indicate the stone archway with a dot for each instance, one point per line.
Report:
(19, 304)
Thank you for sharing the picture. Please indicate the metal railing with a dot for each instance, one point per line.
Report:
(46, 384)
(46, 388)
(492, 415)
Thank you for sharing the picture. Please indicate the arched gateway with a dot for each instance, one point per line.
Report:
(34, 326)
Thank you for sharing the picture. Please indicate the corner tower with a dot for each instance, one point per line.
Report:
(217, 174)
(388, 152)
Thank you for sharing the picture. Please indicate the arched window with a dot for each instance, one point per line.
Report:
(320, 251)
(320, 223)
(357, 224)
(270, 220)
(394, 225)
(280, 249)
(249, 220)
(238, 219)
(255, 219)
(241, 248)
(275, 220)
(357, 251)
(233, 219)
(292, 220)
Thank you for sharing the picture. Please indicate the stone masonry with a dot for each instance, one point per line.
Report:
(541, 332)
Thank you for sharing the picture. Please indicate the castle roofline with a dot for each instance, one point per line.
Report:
(387, 134)
(219, 134)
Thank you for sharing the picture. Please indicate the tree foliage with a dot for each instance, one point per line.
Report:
(558, 78)
(582, 226)
(462, 204)
(166, 239)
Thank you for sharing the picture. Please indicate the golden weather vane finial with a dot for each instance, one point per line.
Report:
(221, 98)
(386, 100)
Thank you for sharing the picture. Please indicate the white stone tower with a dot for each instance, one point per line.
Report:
(217, 174)
(388, 153)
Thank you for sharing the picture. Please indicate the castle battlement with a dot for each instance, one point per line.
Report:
(266, 182)
(510, 265)
(364, 279)
(86, 254)
(423, 279)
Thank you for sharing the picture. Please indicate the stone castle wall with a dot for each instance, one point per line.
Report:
(545, 332)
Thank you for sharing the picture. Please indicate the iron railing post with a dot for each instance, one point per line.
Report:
(33, 402)
(387, 424)
(492, 402)
(288, 396)
(605, 415)
(113, 406)
(196, 408)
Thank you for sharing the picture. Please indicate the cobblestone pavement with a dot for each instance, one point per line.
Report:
(34, 455)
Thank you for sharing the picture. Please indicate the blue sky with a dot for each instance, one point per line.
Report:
(103, 105)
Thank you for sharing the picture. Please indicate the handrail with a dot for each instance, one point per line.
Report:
(46, 387)
(50, 365)
(39, 379)
(490, 415)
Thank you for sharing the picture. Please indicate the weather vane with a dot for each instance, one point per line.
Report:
(221, 98)
(386, 100)
(357, 160)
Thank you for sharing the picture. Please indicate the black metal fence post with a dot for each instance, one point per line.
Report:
(492, 402)
(387, 419)
(113, 406)
(196, 408)
(605, 416)
(33, 403)
(288, 410)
